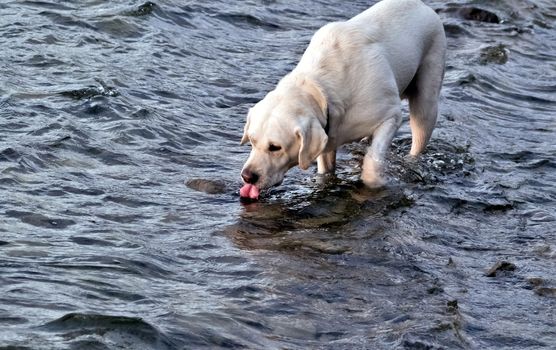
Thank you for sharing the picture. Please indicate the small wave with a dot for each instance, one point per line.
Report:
(133, 331)
(39, 220)
(65, 21)
(118, 27)
(247, 21)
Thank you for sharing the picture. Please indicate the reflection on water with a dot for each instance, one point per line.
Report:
(120, 221)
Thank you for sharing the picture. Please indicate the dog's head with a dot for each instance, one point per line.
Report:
(285, 129)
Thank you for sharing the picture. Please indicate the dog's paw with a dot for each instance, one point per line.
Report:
(371, 173)
(374, 181)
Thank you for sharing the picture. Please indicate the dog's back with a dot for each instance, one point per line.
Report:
(398, 40)
(417, 27)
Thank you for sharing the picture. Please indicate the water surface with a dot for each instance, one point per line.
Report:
(109, 109)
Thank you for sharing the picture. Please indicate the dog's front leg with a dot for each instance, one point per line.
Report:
(372, 173)
(326, 162)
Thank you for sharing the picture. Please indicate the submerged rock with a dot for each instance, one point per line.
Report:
(535, 281)
(92, 91)
(500, 266)
(142, 10)
(207, 186)
(472, 13)
(494, 54)
(538, 285)
(477, 14)
(546, 292)
(452, 306)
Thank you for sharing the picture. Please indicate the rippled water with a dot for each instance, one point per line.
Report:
(116, 116)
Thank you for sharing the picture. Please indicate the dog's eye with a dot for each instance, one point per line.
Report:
(274, 148)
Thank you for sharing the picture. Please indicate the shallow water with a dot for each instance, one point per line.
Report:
(113, 115)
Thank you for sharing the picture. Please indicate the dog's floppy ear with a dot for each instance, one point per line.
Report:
(245, 137)
(312, 139)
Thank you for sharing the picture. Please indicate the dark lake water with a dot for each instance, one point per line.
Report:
(115, 116)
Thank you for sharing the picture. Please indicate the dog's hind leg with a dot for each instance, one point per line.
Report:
(372, 173)
(423, 96)
(326, 162)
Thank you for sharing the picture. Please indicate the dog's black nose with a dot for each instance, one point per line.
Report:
(249, 177)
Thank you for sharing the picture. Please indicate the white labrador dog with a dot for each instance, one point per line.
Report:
(347, 86)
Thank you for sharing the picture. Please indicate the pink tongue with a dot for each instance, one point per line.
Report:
(249, 191)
